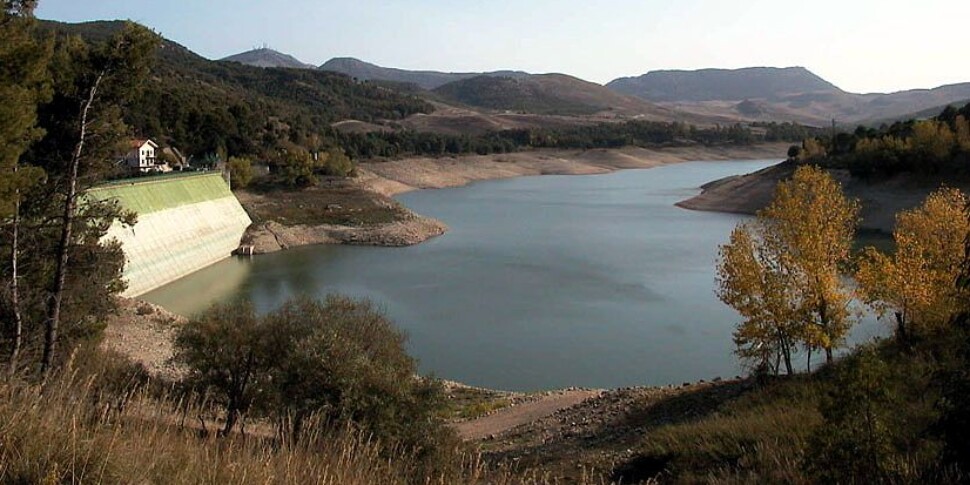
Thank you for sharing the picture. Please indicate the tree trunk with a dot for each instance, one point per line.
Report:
(232, 414)
(824, 320)
(809, 365)
(237, 394)
(787, 350)
(18, 323)
(901, 327)
(63, 247)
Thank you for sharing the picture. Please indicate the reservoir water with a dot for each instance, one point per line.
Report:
(542, 282)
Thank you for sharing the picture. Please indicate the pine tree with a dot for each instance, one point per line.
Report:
(24, 83)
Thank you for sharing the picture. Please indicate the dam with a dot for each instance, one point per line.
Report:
(186, 222)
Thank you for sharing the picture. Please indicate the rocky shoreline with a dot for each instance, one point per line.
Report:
(269, 237)
(383, 180)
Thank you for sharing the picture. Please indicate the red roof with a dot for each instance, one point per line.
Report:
(139, 142)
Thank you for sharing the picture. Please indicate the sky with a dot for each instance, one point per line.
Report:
(859, 45)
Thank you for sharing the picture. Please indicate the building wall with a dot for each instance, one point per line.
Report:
(185, 223)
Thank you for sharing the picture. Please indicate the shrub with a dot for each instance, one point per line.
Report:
(340, 362)
(240, 172)
(225, 353)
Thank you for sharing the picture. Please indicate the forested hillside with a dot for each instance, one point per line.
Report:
(205, 107)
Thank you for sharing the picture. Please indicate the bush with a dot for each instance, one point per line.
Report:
(296, 169)
(311, 364)
(225, 352)
(240, 172)
(335, 162)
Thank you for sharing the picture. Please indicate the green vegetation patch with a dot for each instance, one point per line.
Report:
(155, 194)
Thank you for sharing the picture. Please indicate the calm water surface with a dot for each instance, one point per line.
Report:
(542, 282)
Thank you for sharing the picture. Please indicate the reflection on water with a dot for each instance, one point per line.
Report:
(542, 282)
(219, 282)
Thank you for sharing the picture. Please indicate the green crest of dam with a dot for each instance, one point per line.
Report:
(155, 194)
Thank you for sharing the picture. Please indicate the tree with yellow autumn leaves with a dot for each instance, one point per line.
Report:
(783, 272)
(916, 284)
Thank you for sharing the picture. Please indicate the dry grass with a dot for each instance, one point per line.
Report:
(105, 424)
(334, 201)
(69, 432)
(759, 437)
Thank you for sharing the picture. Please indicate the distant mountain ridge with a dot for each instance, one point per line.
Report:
(706, 96)
(723, 84)
(266, 57)
(780, 94)
(429, 80)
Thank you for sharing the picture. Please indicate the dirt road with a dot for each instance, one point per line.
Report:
(524, 413)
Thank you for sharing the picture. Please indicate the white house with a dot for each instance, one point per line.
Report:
(141, 157)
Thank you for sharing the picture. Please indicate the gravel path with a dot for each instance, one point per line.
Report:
(524, 413)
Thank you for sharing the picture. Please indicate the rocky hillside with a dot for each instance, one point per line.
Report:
(268, 58)
(365, 71)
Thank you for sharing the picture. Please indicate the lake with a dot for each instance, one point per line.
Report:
(542, 282)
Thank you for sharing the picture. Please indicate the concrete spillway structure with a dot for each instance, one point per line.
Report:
(185, 223)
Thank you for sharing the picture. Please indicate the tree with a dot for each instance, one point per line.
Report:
(932, 140)
(961, 133)
(24, 83)
(345, 361)
(339, 360)
(812, 149)
(815, 224)
(782, 272)
(225, 352)
(756, 278)
(240, 172)
(295, 168)
(916, 283)
(91, 88)
(335, 162)
(856, 443)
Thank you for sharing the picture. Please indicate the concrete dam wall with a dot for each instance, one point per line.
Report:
(185, 223)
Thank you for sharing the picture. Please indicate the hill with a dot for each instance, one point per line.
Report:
(204, 106)
(723, 84)
(268, 58)
(557, 94)
(366, 71)
(780, 94)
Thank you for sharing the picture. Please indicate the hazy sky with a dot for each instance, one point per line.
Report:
(861, 46)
